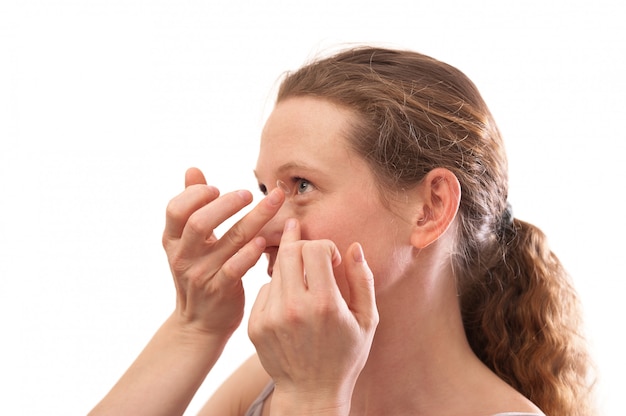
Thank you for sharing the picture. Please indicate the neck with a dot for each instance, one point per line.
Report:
(420, 359)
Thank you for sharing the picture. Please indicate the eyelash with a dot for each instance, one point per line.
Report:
(296, 180)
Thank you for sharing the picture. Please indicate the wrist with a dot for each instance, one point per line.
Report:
(317, 402)
(193, 337)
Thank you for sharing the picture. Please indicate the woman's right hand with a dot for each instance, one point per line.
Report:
(312, 339)
(207, 270)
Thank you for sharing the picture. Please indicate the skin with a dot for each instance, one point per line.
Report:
(337, 295)
(419, 362)
(207, 273)
(333, 195)
(361, 314)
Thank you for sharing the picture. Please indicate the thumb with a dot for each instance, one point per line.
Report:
(361, 283)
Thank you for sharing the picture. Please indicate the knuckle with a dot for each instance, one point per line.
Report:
(254, 330)
(231, 271)
(188, 271)
(324, 307)
(291, 249)
(197, 278)
(370, 320)
(292, 314)
(173, 209)
(318, 248)
(373, 320)
(237, 236)
(166, 242)
(203, 193)
(195, 224)
(195, 195)
(260, 327)
(178, 264)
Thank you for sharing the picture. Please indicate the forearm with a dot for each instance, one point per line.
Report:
(167, 373)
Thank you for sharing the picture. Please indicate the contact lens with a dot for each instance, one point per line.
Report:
(282, 185)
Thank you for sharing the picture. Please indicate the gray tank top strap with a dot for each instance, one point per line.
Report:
(256, 408)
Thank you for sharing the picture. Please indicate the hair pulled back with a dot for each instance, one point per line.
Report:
(415, 113)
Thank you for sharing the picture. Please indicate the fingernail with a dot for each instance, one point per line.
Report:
(290, 224)
(357, 254)
(274, 197)
(245, 195)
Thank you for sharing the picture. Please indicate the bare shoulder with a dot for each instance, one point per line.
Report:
(236, 394)
(516, 404)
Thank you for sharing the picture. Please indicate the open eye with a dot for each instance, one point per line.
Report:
(263, 189)
(303, 186)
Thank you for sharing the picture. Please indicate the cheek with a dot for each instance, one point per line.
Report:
(319, 227)
(386, 254)
(343, 231)
(373, 227)
(342, 220)
(334, 225)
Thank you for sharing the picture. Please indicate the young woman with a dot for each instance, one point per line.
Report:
(401, 282)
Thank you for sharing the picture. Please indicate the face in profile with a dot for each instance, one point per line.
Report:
(332, 190)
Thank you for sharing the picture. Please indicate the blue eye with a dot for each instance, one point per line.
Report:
(303, 186)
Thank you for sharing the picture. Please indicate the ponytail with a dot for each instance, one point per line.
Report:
(522, 319)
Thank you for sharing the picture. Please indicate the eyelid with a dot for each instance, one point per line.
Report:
(292, 190)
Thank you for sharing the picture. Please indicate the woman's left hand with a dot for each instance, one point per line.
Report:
(312, 341)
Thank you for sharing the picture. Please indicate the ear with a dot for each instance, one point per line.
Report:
(440, 196)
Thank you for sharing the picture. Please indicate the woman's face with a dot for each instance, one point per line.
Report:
(333, 192)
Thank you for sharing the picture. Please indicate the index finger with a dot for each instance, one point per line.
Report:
(249, 226)
(290, 277)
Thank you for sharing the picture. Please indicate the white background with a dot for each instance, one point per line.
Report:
(104, 104)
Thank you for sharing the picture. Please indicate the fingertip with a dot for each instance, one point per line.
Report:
(260, 243)
(213, 190)
(361, 281)
(276, 197)
(245, 195)
(290, 224)
(291, 231)
(357, 253)
(194, 176)
(359, 264)
(336, 257)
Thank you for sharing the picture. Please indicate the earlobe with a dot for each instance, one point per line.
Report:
(440, 195)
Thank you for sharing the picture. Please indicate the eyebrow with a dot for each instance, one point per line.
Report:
(290, 166)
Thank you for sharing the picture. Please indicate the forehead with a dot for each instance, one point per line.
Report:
(306, 130)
